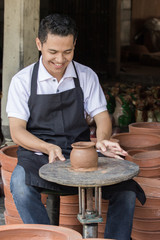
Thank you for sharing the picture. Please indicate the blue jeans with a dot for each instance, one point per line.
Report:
(28, 202)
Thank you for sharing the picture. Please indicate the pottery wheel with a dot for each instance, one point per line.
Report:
(110, 171)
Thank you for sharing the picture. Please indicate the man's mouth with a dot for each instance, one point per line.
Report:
(58, 65)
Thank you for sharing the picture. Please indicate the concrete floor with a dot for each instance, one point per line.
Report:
(2, 221)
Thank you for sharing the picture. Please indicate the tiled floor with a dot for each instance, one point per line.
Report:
(2, 221)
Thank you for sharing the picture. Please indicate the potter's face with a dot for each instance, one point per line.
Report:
(57, 53)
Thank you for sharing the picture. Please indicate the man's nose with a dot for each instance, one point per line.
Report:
(60, 58)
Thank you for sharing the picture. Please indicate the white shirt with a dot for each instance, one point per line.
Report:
(19, 90)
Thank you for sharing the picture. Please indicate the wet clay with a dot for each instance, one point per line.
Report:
(83, 156)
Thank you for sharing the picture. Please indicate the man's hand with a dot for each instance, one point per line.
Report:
(24, 138)
(55, 153)
(110, 149)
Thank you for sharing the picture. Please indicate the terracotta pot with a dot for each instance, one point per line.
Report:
(6, 177)
(148, 182)
(144, 159)
(37, 232)
(146, 213)
(101, 227)
(69, 199)
(12, 219)
(145, 127)
(130, 141)
(132, 152)
(83, 156)
(78, 228)
(145, 235)
(8, 194)
(146, 224)
(8, 156)
(100, 235)
(151, 188)
(68, 219)
(150, 172)
(69, 208)
(11, 209)
(151, 202)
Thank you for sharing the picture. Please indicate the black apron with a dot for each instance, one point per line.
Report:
(55, 118)
(59, 119)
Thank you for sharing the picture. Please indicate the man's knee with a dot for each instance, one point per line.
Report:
(18, 186)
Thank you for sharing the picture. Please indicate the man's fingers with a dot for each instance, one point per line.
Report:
(56, 154)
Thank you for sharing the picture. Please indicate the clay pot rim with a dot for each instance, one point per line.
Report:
(150, 168)
(151, 182)
(147, 232)
(145, 125)
(155, 137)
(82, 144)
(137, 156)
(2, 150)
(59, 229)
(141, 134)
(148, 220)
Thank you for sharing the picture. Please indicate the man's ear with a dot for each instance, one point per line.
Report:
(38, 43)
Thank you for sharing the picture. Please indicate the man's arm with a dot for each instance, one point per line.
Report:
(104, 126)
(103, 132)
(22, 137)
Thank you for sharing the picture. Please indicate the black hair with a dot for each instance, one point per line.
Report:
(57, 24)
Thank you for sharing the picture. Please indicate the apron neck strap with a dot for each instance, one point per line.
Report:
(34, 78)
(76, 80)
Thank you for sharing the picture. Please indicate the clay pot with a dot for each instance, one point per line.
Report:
(11, 209)
(145, 127)
(130, 141)
(9, 161)
(145, 235)
(148, 182)
(11, 219)
(144, 158)
(132, 152)
(8, 156)
(68, 219)
(151, 172)
(69, 208)
(151, 188)
(146, 224)
(37, 231)
(66, 208)
(146, 213)
(83, 156)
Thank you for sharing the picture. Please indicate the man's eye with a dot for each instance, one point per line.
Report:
(52, 52)
(68, 52)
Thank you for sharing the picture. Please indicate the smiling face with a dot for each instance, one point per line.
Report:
(57, 53)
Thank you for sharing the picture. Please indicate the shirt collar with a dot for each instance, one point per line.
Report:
(43, 74)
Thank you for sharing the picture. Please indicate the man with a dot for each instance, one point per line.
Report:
(47, 103)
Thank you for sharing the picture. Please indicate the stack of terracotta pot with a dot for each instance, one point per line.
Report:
(8, 158)
(143, 146)
(69, 208)
(146, 223)
(9, 161)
